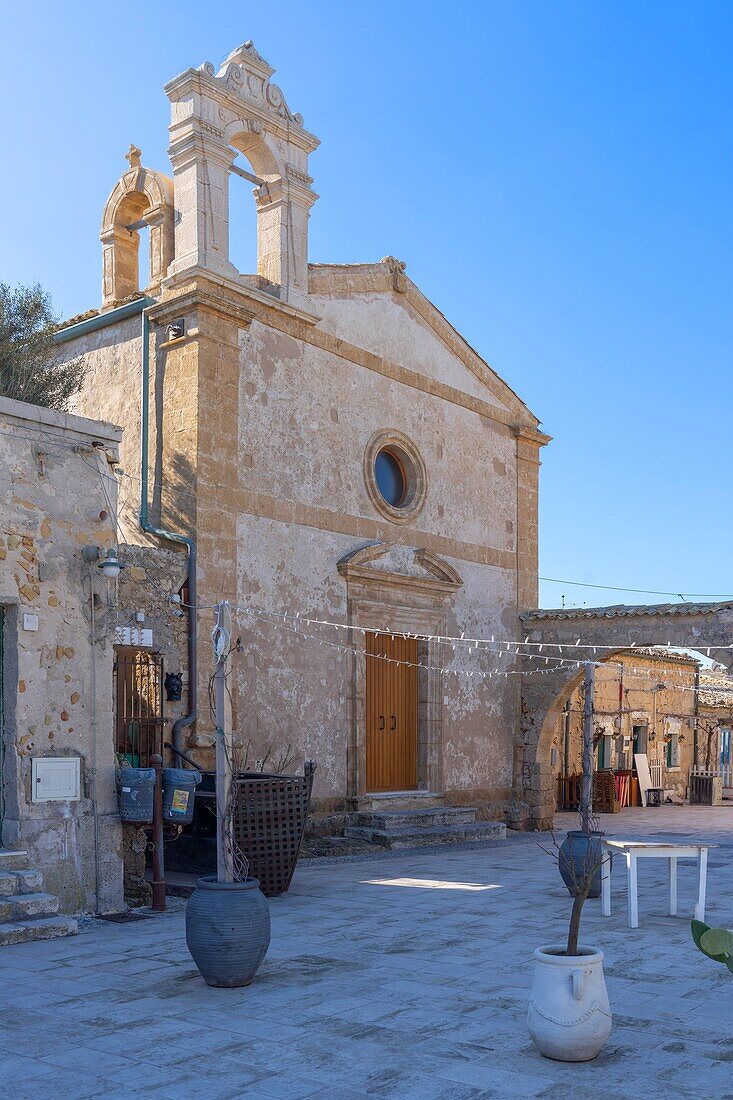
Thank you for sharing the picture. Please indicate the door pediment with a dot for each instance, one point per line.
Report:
(398, 566)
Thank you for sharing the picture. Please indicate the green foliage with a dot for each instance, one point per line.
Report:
(30, 369)
(716, 943)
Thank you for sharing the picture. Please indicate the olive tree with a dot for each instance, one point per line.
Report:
(29, 369)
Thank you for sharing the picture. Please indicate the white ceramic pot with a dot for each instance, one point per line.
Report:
(569, 1016)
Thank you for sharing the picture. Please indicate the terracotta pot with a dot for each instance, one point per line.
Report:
(569, 1017)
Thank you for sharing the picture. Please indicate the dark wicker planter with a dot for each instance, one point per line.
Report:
(269, 822)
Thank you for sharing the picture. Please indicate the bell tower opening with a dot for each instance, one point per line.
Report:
(216, 117)
(137, 232)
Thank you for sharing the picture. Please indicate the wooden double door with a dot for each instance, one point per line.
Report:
(391, 713)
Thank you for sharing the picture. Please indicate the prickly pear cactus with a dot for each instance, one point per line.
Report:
(716, 943)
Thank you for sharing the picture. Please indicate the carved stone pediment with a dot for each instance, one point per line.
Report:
(246, 74)
(399, 566)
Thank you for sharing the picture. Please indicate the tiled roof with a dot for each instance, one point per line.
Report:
(621, 610)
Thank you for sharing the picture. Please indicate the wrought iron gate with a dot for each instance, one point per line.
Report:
(138, 705)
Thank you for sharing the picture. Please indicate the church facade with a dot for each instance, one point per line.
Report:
(333, 457)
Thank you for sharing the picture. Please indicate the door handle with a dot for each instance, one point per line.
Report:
(393, 722)
(381, 721)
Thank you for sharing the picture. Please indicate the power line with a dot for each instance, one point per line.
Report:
(642, 591)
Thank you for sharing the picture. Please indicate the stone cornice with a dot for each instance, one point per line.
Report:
(255, 302)
(532, 435)
(199, 299)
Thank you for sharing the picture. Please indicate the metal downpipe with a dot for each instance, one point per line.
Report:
(172, 536)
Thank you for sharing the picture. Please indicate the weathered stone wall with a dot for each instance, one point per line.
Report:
(151, 576)
(261, 421)
(57, 674)
(278, 509)
(665, 711)
(690, 626)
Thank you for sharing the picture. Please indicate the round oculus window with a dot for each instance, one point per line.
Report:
(389, 474)
(395, 475)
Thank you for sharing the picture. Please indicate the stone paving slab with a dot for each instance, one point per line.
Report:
(403, 976)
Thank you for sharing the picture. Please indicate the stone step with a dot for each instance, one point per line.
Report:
(13, 861)
(19, 882)
(18, 907)
(42, 928)
(427, 818)
(439, 834)
(399, 800)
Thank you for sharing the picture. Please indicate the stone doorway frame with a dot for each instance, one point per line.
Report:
(403, 603)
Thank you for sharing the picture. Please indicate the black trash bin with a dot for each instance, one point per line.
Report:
(179, 785)
(137, 789)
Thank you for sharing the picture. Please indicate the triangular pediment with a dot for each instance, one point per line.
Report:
(403, 566)
(377, 307)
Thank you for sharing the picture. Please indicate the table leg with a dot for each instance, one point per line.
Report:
(633, 901)
(702, 872)
(672, 863)
(606, 884)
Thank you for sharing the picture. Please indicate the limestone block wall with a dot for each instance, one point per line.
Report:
(57, 667)
(635, 690)
(111, 392)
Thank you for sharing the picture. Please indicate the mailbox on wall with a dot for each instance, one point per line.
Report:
(55, 778)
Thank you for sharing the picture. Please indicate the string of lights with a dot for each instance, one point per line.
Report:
(297, 623)
(492, 644)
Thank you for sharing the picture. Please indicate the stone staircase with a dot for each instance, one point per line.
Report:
(26, 913)
(396, 826)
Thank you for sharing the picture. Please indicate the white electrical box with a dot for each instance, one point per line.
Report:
(133, 635)
(55, 778)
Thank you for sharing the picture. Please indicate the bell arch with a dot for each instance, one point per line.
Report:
(214, 115)
(141, 198)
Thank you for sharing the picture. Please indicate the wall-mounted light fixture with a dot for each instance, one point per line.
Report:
(110, 565)
(106, 560)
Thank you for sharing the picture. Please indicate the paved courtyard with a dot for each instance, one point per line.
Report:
(402, 976)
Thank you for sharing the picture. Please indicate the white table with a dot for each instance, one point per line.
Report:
(633, 851)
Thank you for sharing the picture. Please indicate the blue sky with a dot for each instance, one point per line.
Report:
(557, 176)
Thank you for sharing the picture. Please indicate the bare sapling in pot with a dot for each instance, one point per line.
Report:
(569, 1015)
(227, 917)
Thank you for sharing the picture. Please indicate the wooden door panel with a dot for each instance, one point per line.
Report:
(391, 713)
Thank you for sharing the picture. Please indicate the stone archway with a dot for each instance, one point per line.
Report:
(704, 627)
(141, 197)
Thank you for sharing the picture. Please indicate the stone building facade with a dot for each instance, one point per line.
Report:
(68, 636)
(333, 449)
(644, 702)
(58, 797)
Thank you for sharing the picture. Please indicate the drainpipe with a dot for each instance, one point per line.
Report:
(93, 324)
(172, 536)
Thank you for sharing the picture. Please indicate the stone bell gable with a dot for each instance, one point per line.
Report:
(214, 115)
